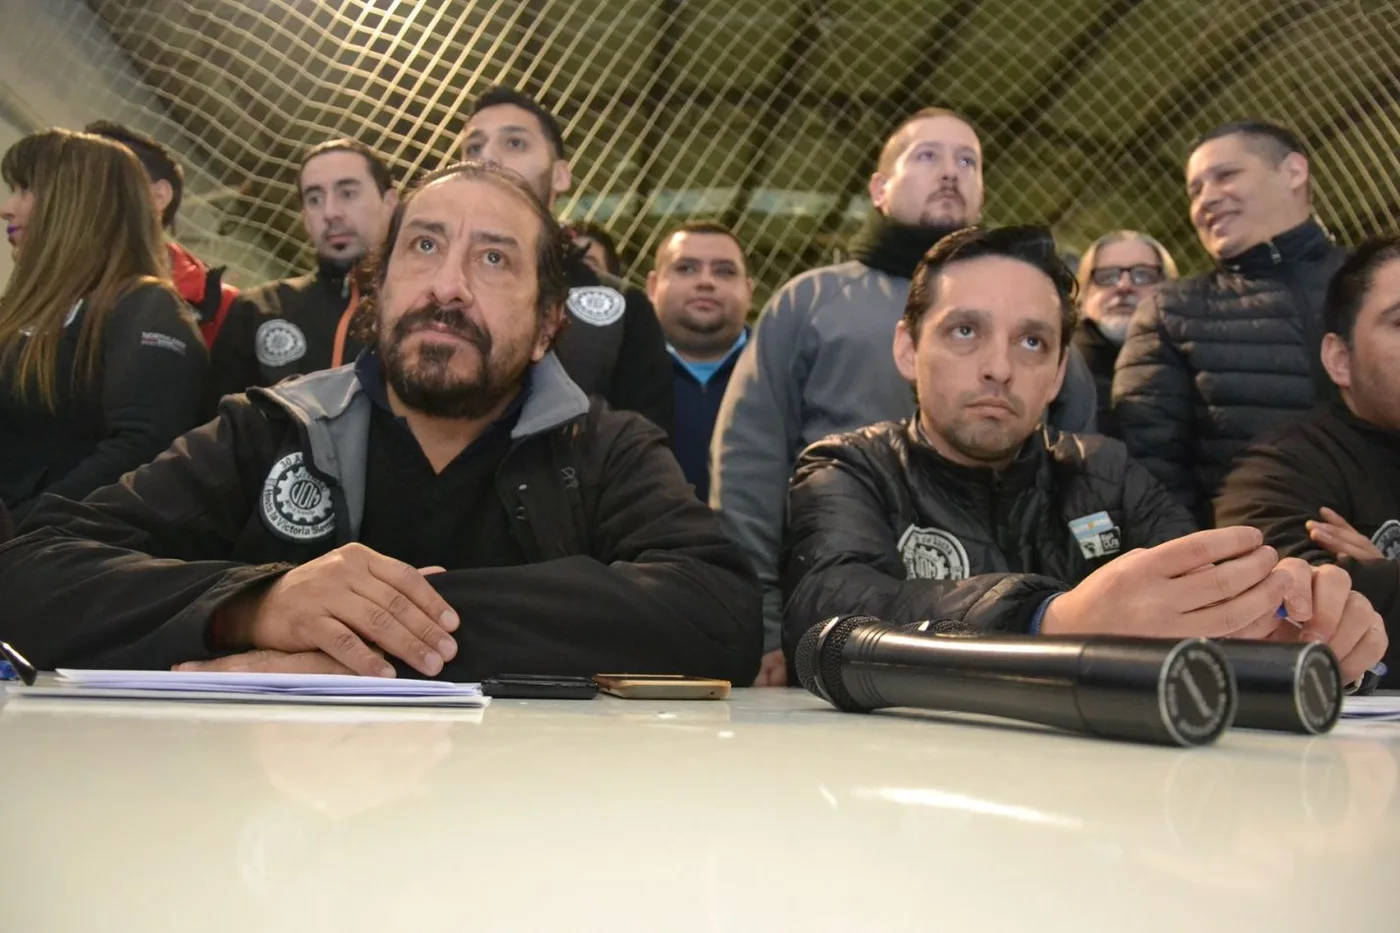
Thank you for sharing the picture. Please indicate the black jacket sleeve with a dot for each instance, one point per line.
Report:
(1273, 488)
(1153, 401)
(153, 371)
(233, 360)
(664, 591)
(131, 576)
(642, 380)
(843, 559)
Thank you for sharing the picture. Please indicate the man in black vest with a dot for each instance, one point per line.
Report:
(974, 515)
(1326, 487)
(450, 505)
(1213, 360)
(612, 346)
(302, 324)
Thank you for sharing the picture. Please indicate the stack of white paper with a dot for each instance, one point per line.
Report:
(1382, 708)
(263, 688)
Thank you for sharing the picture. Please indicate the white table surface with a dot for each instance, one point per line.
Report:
(767, 812)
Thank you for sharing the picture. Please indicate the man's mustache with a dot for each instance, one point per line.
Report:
(1127, 300)
(947, 191)
(448, 316)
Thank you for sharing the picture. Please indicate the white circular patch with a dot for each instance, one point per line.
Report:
(295, 504)
(597, 305)
(1387, 540)
(279, 342)
(932, 554)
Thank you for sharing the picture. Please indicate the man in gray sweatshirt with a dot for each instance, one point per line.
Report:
(820, 360)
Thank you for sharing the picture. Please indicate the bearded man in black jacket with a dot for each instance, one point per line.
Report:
(450, 505)
(1326, 487)
(972, 515)
(1212, 361)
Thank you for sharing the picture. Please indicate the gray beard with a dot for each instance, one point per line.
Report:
(1115, 328)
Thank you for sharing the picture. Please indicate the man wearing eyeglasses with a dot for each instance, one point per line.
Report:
(1213, 361)
(1118, 272)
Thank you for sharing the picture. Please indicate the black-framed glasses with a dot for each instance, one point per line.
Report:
(1108, 276)
(13, 666)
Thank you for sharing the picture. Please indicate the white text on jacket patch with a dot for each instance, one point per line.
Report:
(279, 342)
(296, 505)
(932, 554)
(1387, 540)
(597, 304)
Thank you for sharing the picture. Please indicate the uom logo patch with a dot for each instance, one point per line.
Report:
(932, 554)
(296, 504)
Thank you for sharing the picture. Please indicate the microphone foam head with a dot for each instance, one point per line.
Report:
(818, 658)
(806, 659)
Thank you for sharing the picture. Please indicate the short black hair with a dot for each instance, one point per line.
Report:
(1270, 140)
(1352, 282)
(596, 233)
(705, 226)
(501, 96)
(378, 168)
(551, 251)
(1033, 245)
(158, 161)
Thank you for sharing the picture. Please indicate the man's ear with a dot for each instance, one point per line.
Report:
(879, 186)
(553, 323)
(561, 179)
(1295, 167)
(391, 199)
(1336, 359)
(651, 287)
(906, 352)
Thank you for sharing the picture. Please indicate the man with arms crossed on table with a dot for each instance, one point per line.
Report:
(974, 516)
(308, 527)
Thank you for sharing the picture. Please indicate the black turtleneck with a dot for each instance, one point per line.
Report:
(893, 247)
(1307, 242)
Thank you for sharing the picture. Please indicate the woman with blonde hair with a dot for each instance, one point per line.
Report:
(101, 364)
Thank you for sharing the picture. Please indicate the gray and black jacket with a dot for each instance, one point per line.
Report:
(626, 570)
(884, 526)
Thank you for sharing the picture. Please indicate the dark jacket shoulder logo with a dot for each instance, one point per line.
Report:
(1097, 535)
(1387, 540)
(597, 305)
(296, 505)
(279, 342)
(932, 554)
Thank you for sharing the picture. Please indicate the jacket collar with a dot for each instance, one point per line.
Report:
(1020, 474)
(333, 411)
(1381, 436)
(1307, 242)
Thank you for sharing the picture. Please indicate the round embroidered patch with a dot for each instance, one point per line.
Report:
(932, 554)
(279, 342)
(597, 305)
(296, 504)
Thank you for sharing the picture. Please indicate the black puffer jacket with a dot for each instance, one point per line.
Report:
(1212, 361)
(883, 525)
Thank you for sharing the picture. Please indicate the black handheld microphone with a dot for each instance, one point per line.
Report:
(1172, 692)
(1290, 687)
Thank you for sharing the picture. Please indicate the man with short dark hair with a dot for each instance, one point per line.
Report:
(1118, 272)
(1213, 360)
(302, 325)
(612, 346)
(973, 516)
(818, 361)
(450, 505)
(1325, 487)
(702, 293)
(203, 288)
